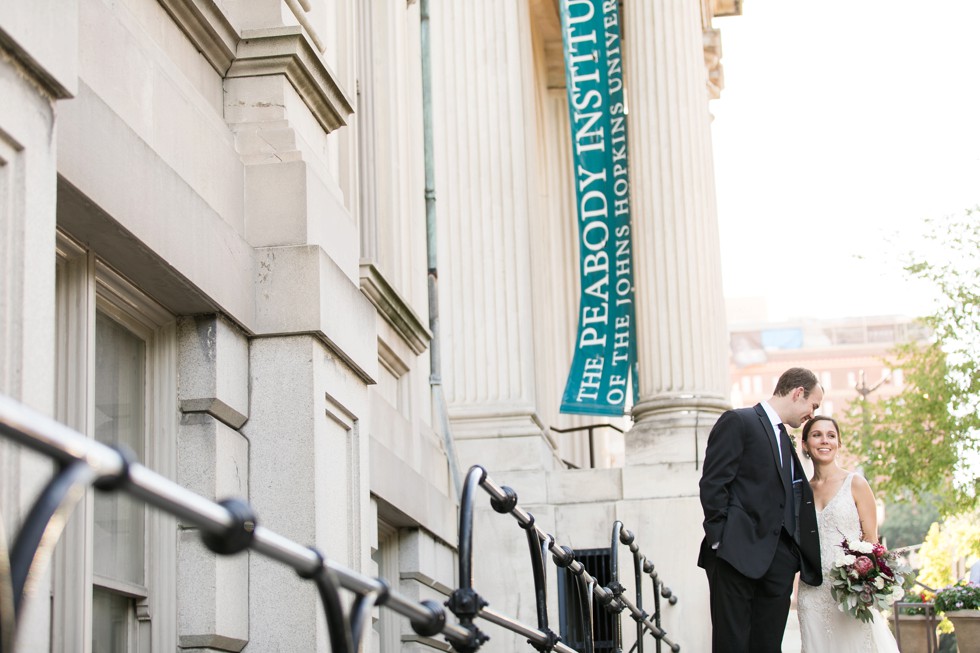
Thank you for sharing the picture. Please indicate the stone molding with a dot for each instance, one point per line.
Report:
(428, 581)
(213, 357)
(393, 308)
(300, 290)
(33, 71)
(286, 51)
(666, 402)
(207, 28)
(411, 493)
(498, 420)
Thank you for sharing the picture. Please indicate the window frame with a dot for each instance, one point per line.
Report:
(85, 286)
(387, 625)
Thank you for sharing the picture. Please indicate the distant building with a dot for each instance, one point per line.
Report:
(846, 354)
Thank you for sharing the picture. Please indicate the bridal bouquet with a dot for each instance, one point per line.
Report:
(866, 576)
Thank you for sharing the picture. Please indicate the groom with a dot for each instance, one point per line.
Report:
(759, 521)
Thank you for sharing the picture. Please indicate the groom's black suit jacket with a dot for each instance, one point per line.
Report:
(743, 496)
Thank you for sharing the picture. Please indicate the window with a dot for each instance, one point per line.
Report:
(826, 379)
(388, 625)
(113, 572)
(118, 534)
(884, 333)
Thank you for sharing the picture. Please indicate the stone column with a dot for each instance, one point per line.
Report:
(680, 309)
(307, 481)
(483, 111)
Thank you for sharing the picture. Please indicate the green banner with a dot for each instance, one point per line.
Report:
(604, 360)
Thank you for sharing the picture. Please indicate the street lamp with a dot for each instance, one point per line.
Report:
(864, 390)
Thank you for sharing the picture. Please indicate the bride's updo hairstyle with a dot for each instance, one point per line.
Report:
(817, 418)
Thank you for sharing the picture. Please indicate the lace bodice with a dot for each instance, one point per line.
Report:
(824, 628)
(838, 520)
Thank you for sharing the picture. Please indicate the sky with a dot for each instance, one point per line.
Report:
(842, 126)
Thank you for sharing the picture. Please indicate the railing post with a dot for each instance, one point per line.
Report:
(626, 537)
(638, 579)
(537, 548)
(614, 583)
(464, 602)
(41, 529)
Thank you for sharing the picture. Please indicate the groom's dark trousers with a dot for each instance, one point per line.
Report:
(750, 614)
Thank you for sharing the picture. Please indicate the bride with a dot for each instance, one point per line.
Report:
(845, 507)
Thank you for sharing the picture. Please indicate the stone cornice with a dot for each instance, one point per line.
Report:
(35, 74)
(393, 309)
(207, 28)
(286, 51)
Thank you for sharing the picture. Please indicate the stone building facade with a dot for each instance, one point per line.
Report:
(215, 251)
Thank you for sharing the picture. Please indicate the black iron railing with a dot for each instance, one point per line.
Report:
(641, 566)
(612, 596)
(230, 526)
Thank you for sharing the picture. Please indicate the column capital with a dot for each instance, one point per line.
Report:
(673, 403)
(675, 438)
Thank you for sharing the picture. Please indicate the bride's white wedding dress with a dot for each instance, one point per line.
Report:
(824, 628)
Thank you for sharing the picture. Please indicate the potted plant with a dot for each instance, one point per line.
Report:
(960, 603)
(914, 622)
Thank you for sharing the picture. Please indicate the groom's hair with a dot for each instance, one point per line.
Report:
(795, 377)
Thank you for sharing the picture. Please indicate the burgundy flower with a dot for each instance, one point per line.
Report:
(886, 571)
(879, 550)
(863, 565)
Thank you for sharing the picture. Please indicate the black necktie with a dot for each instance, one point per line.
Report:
(789, 510)
(785, 445)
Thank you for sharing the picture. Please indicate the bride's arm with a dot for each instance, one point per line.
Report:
(867, 509)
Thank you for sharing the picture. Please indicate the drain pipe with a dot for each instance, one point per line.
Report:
(439, 408)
